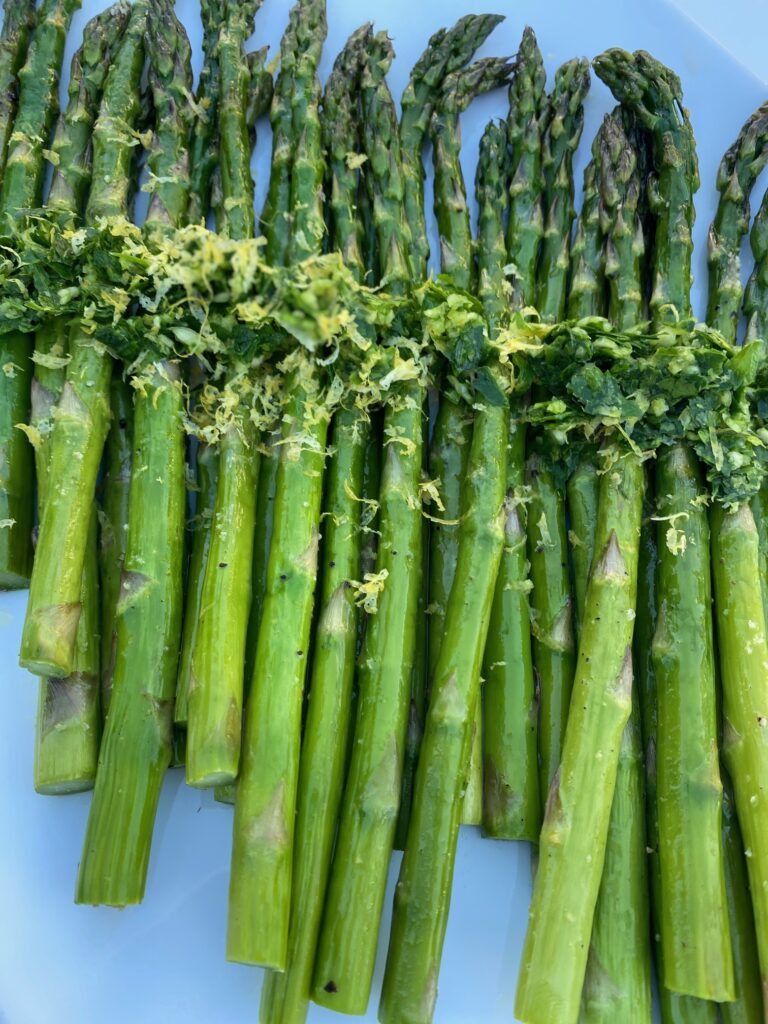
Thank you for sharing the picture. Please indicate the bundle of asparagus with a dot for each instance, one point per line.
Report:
(377, 554)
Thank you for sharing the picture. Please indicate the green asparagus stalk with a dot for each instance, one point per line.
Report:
(355, 896)
(551, 610)
(694, 923)
(525, 123)
(285, 997)
(265, 805)
(564, 119)
(452, 433)
(22, 186)
(576, 823)
(68, 722)
(422, 897)
(739, 169)
(18, 22)
(741, 633)
(207, 474)
(617, 984)
(215, 689)
(447, 51)
(82, 415)
(137, 744)
(675, 1008)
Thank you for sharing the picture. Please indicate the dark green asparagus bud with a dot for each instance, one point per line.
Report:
(71, 143)
(170, 77)
(740, 167)
(446, 52)
(459, 89)
(525, 124)
(308, 168)
(203, 147)
(654, 94)
(756, 293)
(587, 277)
(620, 224)
(37, 109)
(18, 22)
(22, 188)
(275, 217)
(234, 141)
(341, 135)
(260, 89)
(564, 118)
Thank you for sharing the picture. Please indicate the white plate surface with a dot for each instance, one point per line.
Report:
(163, 962)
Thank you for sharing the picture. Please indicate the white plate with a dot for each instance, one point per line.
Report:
(163, 962)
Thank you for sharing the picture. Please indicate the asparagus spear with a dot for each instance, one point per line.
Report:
(285, 997)
(694, 921)
(215, 690)
(18, 22)
(739, 169)
(265, 805)
(511, 806)
(423, 891)
(564, 123)
(452, 433)
(68, 721)
(675, 1008)
(22, 187)
(446, 52)
(576, 822)
(355, 897)
(617, 984)
(525, 123)
(136, 748)
(82, 415)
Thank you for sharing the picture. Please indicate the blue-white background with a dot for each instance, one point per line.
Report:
(163, 962)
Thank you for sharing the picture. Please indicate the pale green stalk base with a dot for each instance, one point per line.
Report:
(265, 803)
(215, 694)
(77, 441)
